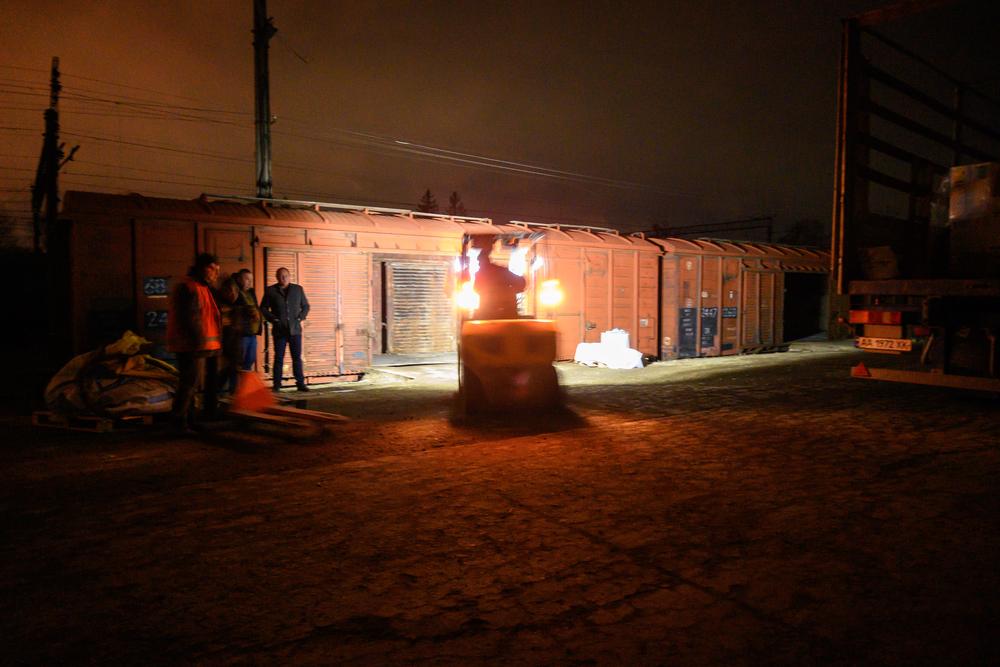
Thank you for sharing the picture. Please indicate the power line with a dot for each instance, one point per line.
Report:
(81, 183)
(77, 161)
(152, 104)
(43, 88)
(79, 95)
(384, 146)
(154, 147)
(30, 84)
(122, 85)
(145, 170)
(401, 147)
(25, 94)
(26, 69)
(445, 152)
(150, 115)
(390, 147)
(214, 156)
(140, 179)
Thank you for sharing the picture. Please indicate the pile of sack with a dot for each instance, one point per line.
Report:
(116, 380)
(613, 352)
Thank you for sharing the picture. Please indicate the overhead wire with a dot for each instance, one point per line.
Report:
(365, 141)
(25, 69)
(449, 154)
(122, 85)
(71, 173)
(145, 170)
(162, 147)
(387, 144)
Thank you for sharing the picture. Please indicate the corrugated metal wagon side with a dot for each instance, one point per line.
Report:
(700, 294)
(376, 279)
(769, 271)
(724, 297)
(610, 282)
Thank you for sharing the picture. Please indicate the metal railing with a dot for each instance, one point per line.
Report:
(357, 208)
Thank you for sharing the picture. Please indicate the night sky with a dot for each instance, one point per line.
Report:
(672, 112)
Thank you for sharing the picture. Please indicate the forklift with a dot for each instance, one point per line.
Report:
(505, 364)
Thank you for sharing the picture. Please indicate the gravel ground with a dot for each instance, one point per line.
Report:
(740, 510)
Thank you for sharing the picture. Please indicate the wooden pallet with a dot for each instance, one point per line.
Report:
(90, 423)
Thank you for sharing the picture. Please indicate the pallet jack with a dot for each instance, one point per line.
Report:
(253, 401)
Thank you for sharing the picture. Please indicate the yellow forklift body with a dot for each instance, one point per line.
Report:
(508, 364)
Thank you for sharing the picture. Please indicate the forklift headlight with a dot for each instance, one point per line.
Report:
(551, 294)
(466, 297)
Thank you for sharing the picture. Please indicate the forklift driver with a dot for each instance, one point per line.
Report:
(497, 288)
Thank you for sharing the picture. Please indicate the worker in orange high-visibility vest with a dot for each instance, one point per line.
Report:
(194, 334)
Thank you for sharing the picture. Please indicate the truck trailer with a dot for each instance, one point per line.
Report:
(915, 261)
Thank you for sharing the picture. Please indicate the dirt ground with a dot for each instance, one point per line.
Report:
(741, 510)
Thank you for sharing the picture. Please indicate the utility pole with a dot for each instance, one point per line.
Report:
(50, 241)
(46, 187)
(263, 31)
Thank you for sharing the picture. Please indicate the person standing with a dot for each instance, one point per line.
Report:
(497, 288)
(250, 319)
(285, 306)
(227, 298)
(194, 334)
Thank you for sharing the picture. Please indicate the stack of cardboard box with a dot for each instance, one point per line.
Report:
(974, 217)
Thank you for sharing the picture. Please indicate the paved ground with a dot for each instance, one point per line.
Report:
(721, 511)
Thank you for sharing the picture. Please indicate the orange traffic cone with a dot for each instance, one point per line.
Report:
(859, 371)
(251, 394)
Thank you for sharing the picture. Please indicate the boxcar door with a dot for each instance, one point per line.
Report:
(318, 277)
(730, 315)
(688, 283)
(751, 309)
(624, 294)
(670, 298)
(597, 299)
(760, 290)
(234, 250)
(355, 326)
(648, 300)
(708, 313)
(766, 301)
(419, 313)
(568, 315)
(274, 259)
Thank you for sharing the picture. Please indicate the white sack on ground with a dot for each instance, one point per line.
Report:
(615, 338)
(603, 354)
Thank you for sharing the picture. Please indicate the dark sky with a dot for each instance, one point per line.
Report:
(697, 111)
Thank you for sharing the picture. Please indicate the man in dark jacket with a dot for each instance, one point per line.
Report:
(285, 306)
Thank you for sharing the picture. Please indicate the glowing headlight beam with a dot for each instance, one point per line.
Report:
(466, 297)
(550, 294)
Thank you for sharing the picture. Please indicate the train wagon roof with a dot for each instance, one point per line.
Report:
(250, 210)
(792, 257)
(350, 217)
